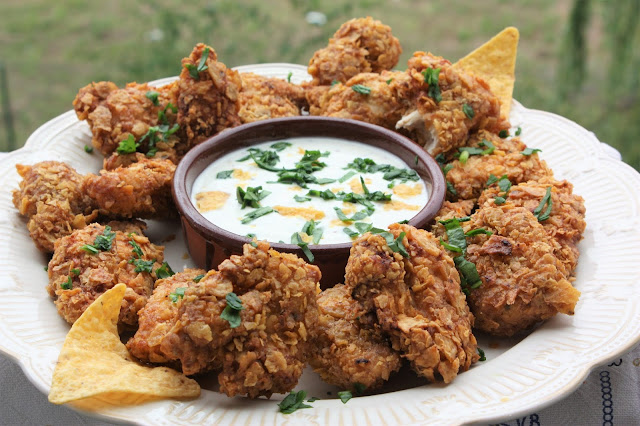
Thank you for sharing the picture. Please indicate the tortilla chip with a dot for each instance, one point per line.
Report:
(495, 62)
(95, 364)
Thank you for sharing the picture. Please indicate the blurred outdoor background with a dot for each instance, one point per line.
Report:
(577, 58)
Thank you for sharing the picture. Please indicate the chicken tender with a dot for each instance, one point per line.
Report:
(450, 109)
(351, 351)
(566, 219)
(523, 282)
(50, 195)
(92, 260)
(468, 180)
(379, 99)
(208, 96)
(115, 114)
(417, 300)
(266, 352)
(262, 98)
(360, 45)
(140, 190)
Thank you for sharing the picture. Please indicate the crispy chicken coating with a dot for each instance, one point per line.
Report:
(417, 300)
(350, 348)
(466, 105)
(140, 190)
(379, 99)
(208, 98)
(113, 114)
(262, 98)
(360, 45)
(470, 179)
(523, 282)
(78, 274)
(50, 195)
(449, 210)
(263, 355)
(566, 220)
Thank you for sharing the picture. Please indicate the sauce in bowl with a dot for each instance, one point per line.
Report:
(315, 190)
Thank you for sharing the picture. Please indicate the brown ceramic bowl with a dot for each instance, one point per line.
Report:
(210, 244)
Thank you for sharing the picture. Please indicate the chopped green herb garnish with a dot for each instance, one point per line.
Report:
(546, 200)
(345, 396)
(164, 271)
(127, 146)
(142, 265)
(346, 177)
(327, 194)
(178, 293)
(351, 233)
(152, 95)
(311, 229)
(231, 312)
(301, 199)
(359, 388)
(312, 399)
(75, 271)
(431, 77)
(292, 402)
(136, 248)
(251, 196)
(450, 247)
(356, 216)
(88, 149)
(518, 131)
(468, 111)
(504, 133)
(156, 134)
(395, 244)
(499, 200)
(194, 71)
(256, 214)
(297, 240)
(197, 278)
(389, 81)
(482, 356)
(162, 114)
(46, 268)
(464, 156)
(367, 165)
(289, 77)
(103, 242)
(451, 188)
(530, 151)
(469, 277)
(225, 174)
(334, 82)
(67, 284)
(402, 222)
(265, 159)
(359, 88)
(279, 146)
(504, 184)
(478, 231)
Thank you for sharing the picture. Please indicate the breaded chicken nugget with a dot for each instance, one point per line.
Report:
(92, 260)
(417, 300)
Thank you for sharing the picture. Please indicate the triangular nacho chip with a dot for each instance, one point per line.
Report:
(495, 62)
(95, 364)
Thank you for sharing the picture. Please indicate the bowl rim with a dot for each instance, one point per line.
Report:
(209, 230)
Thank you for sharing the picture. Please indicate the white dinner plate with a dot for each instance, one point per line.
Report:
(519, 376)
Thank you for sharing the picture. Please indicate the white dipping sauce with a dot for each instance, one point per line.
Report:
(216, 200)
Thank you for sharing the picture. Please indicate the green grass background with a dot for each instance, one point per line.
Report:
(51, 49)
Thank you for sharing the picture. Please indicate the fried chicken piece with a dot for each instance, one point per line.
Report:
(114, 114)
(417, 300)
(360, 45)
(350, 348)
(470, 179)
(266, 353)
(208, 99)
(566, 220)
(379, 99)
(142, 189)
(50, 195)
(449, 210)
(466, 105)
(78, 274)
(523, 282)
(262, 98)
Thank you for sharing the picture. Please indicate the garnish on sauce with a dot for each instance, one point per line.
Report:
(256, 214)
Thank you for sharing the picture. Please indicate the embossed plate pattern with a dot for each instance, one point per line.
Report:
(519, 376)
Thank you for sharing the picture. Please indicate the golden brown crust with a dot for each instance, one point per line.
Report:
(350, 348)
(142, 189)
(523, 282)
(262, 98)
(418, 300)
(209, 104)
(267, 352)
(92, 274)
(566, 221)
(358, 46)
(50, 195)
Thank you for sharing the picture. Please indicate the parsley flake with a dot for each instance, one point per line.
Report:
(468, 111)
(359, 88)
(345, 396)
(530, 151)
(88, 149)
(294, 401)
(432, 78)
(103, 242)
(231, 312)
(178, 293)
(164, 271)
(482, 356)
(256, 214)
(197, 278)
(225, 174)
(152, 95)
(128, 145)
(67, 284)
(194, 71)
(546, 200)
